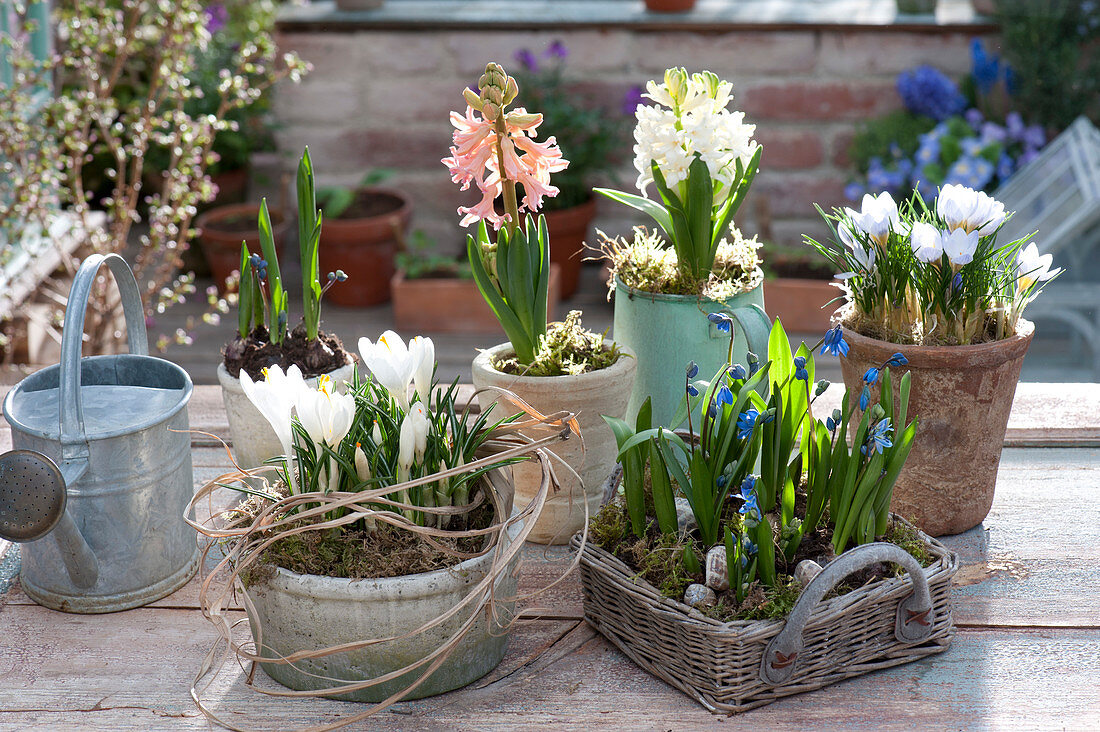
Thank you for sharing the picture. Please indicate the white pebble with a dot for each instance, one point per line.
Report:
(718, 576)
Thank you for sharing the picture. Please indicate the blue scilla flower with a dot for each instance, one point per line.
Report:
(864, 398)
(754, 362)
(802, 374)
(898, 359)
(984, 68)
(692, 391)
(746, 421)
(929, 92)
(799, 362)
(750, 507)
(830, 424)
(748, 485)
(255, 260)
(737, 371)
(721, 481)
(878, 438)
(957, 282)
(692, 370)
(834, 342)
(747, 545)
(822, 385)
(871, 376)
(722, 320)
(724, 396)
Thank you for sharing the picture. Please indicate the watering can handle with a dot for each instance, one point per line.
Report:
(74, 443)
(756, 326)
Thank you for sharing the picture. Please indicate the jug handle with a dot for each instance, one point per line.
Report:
(74, 442)
(756, 327)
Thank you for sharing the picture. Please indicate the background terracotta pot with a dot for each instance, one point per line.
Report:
(364, 247)
(962, 396)
(452, 304)
(669, 6)
(223, 228)
(800, 304)
(568, 229)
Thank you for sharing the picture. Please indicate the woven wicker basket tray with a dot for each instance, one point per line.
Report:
(733, 667)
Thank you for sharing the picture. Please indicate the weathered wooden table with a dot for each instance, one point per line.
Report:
(1026, 655)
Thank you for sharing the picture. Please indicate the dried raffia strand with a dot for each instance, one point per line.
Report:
(246, 544)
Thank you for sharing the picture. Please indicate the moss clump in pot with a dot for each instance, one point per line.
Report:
(566, 349)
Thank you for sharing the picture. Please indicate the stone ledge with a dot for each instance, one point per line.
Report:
(707, 16)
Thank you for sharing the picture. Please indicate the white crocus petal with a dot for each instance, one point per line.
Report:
(421, 427)
(325, 415)
(391, 363)
(423, 350)
(991, 217)
(1033, 267)
(960, 245)
(362, 464)
(954, 205)
(406, 446)
(926, 243)
(274, 401)
(876, 217)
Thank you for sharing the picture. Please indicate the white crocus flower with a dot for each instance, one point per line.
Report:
(964, 208)
(988, 215)
(960, 245)
(926, 242)
(326, 415)
(878, 215)
(275, 397)
(865, 257)
(423, 349)
(1033, 267)
(391, 363)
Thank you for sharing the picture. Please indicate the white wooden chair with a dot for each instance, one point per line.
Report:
(1058, 195)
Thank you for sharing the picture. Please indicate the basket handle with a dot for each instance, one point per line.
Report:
(915, 616)
(74, 442)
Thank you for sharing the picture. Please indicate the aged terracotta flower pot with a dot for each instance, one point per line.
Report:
(223, 228)
(802, 304)
(568, 229)
(362, 243)
(669, 6)
(593, 455)
(962, 396)
(452, 304)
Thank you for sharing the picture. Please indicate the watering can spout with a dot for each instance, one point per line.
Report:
(33, 494)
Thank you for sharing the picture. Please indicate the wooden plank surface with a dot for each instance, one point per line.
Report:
(1027, 654)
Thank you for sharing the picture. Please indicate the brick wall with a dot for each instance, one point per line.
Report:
(381, 99)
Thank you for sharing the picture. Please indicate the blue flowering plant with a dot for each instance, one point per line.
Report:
(933, 274)
(947, 134)
(758, 471)
(263, 303)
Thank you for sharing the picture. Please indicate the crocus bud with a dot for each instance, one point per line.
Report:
(362, 465)
(376, 434)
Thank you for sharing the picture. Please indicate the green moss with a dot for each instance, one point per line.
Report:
(649, 263)
(609, 527)
(907, 538)
(567, 349)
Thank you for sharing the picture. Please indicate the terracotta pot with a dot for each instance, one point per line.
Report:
(568, 229)
(592, 456)
(364, 249)
(452, 304)
(223, 228)
(802, 305)
(669, 6)
(962, 396)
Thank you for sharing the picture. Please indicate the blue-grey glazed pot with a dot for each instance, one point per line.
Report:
(666, 332)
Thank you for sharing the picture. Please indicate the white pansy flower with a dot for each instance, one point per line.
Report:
(926, 242)
(878, 215)
(960, 245)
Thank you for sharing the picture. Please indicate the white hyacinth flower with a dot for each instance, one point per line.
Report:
(960, 245)
(926, 241)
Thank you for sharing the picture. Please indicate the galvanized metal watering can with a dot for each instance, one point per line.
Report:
(102, 460)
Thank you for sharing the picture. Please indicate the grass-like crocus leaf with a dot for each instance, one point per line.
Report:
(245, 301)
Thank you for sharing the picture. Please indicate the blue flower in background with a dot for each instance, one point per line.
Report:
(993, 132)
(854, 191)
(971, 146)
(929, 150)
(1014, 125)
(1006, 166)
(722, 320)
(974, 117)
(929, 92)
(633, 100)
(834, 342)
(1012, 80)
(1034, 137)
(927, 190)
(985, 68)
(557, 49)
(527, 60)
